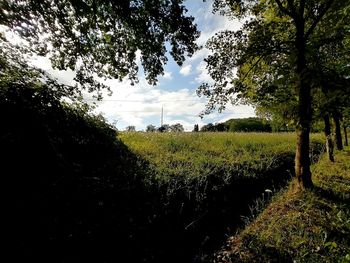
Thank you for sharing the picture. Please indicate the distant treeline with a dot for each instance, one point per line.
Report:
(239, 125)
(255, 124)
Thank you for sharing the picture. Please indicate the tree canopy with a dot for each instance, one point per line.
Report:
(102, 37)
(256, 63)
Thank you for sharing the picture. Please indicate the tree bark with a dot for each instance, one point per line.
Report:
(345, 135)
(329, 141)
(302, 159)
(338, 138)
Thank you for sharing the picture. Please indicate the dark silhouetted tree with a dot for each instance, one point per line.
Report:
(151, 128)
(130, 128)
(177, 127)
(164, 128)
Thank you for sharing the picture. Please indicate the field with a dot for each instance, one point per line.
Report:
(202, 154)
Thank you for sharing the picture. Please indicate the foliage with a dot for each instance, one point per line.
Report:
(130, 128)
(208, 128)
(264, 51)
(15, 70)
(249, 125)
(239, 125)
(301, 226)
(150, 128)
(177, 127)
(164, 128)
(102, 37)
(65, 173)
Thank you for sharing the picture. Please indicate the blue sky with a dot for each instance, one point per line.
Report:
(141, 104)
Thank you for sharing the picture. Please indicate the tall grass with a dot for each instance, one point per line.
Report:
(198, 154)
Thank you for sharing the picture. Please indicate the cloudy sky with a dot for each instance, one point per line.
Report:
(141, 104)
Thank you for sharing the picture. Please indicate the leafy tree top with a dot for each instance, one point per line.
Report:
(103, 36)
(177, 127)
(257, 64)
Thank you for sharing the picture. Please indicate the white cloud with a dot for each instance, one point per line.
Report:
(202, 73)
(140, 106)
(210, 23)
(167, 75)
(64, 76)
(186, 70)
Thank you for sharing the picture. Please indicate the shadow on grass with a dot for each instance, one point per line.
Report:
(331, 195)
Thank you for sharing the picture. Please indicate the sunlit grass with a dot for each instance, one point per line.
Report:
(196, 154)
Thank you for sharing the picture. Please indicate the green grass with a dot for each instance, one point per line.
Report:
(301, 226)
(198, 154)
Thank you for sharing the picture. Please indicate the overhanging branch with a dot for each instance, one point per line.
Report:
(283, 9)
(318, 18)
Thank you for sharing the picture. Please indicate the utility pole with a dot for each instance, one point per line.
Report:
(161, 119)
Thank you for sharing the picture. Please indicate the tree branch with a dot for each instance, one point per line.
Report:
(292, 8)
(283, 9)
(252, 67)
(302, 8)
(318, 19)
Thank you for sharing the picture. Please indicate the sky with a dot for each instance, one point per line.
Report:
(141, 104)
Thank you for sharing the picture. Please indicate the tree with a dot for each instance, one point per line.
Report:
(196, 128)
(329, 141)
(164, 128)
(130, 128)
(278, 36)
(150, 128)
(177, 127)
(208, 128)
(102, 37)
(249, 125)
(337, 134)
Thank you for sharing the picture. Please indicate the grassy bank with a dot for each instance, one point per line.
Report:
(301, 226)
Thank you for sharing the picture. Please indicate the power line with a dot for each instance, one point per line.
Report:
(157, 111)
(143, 100)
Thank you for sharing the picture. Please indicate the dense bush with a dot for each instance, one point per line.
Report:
(76, 192)
(249, 125)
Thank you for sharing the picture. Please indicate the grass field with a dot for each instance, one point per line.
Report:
(198, 154)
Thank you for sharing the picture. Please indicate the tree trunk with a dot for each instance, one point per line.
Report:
(329, 141)
(302, 159)
(338, 138)
(345, 136)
